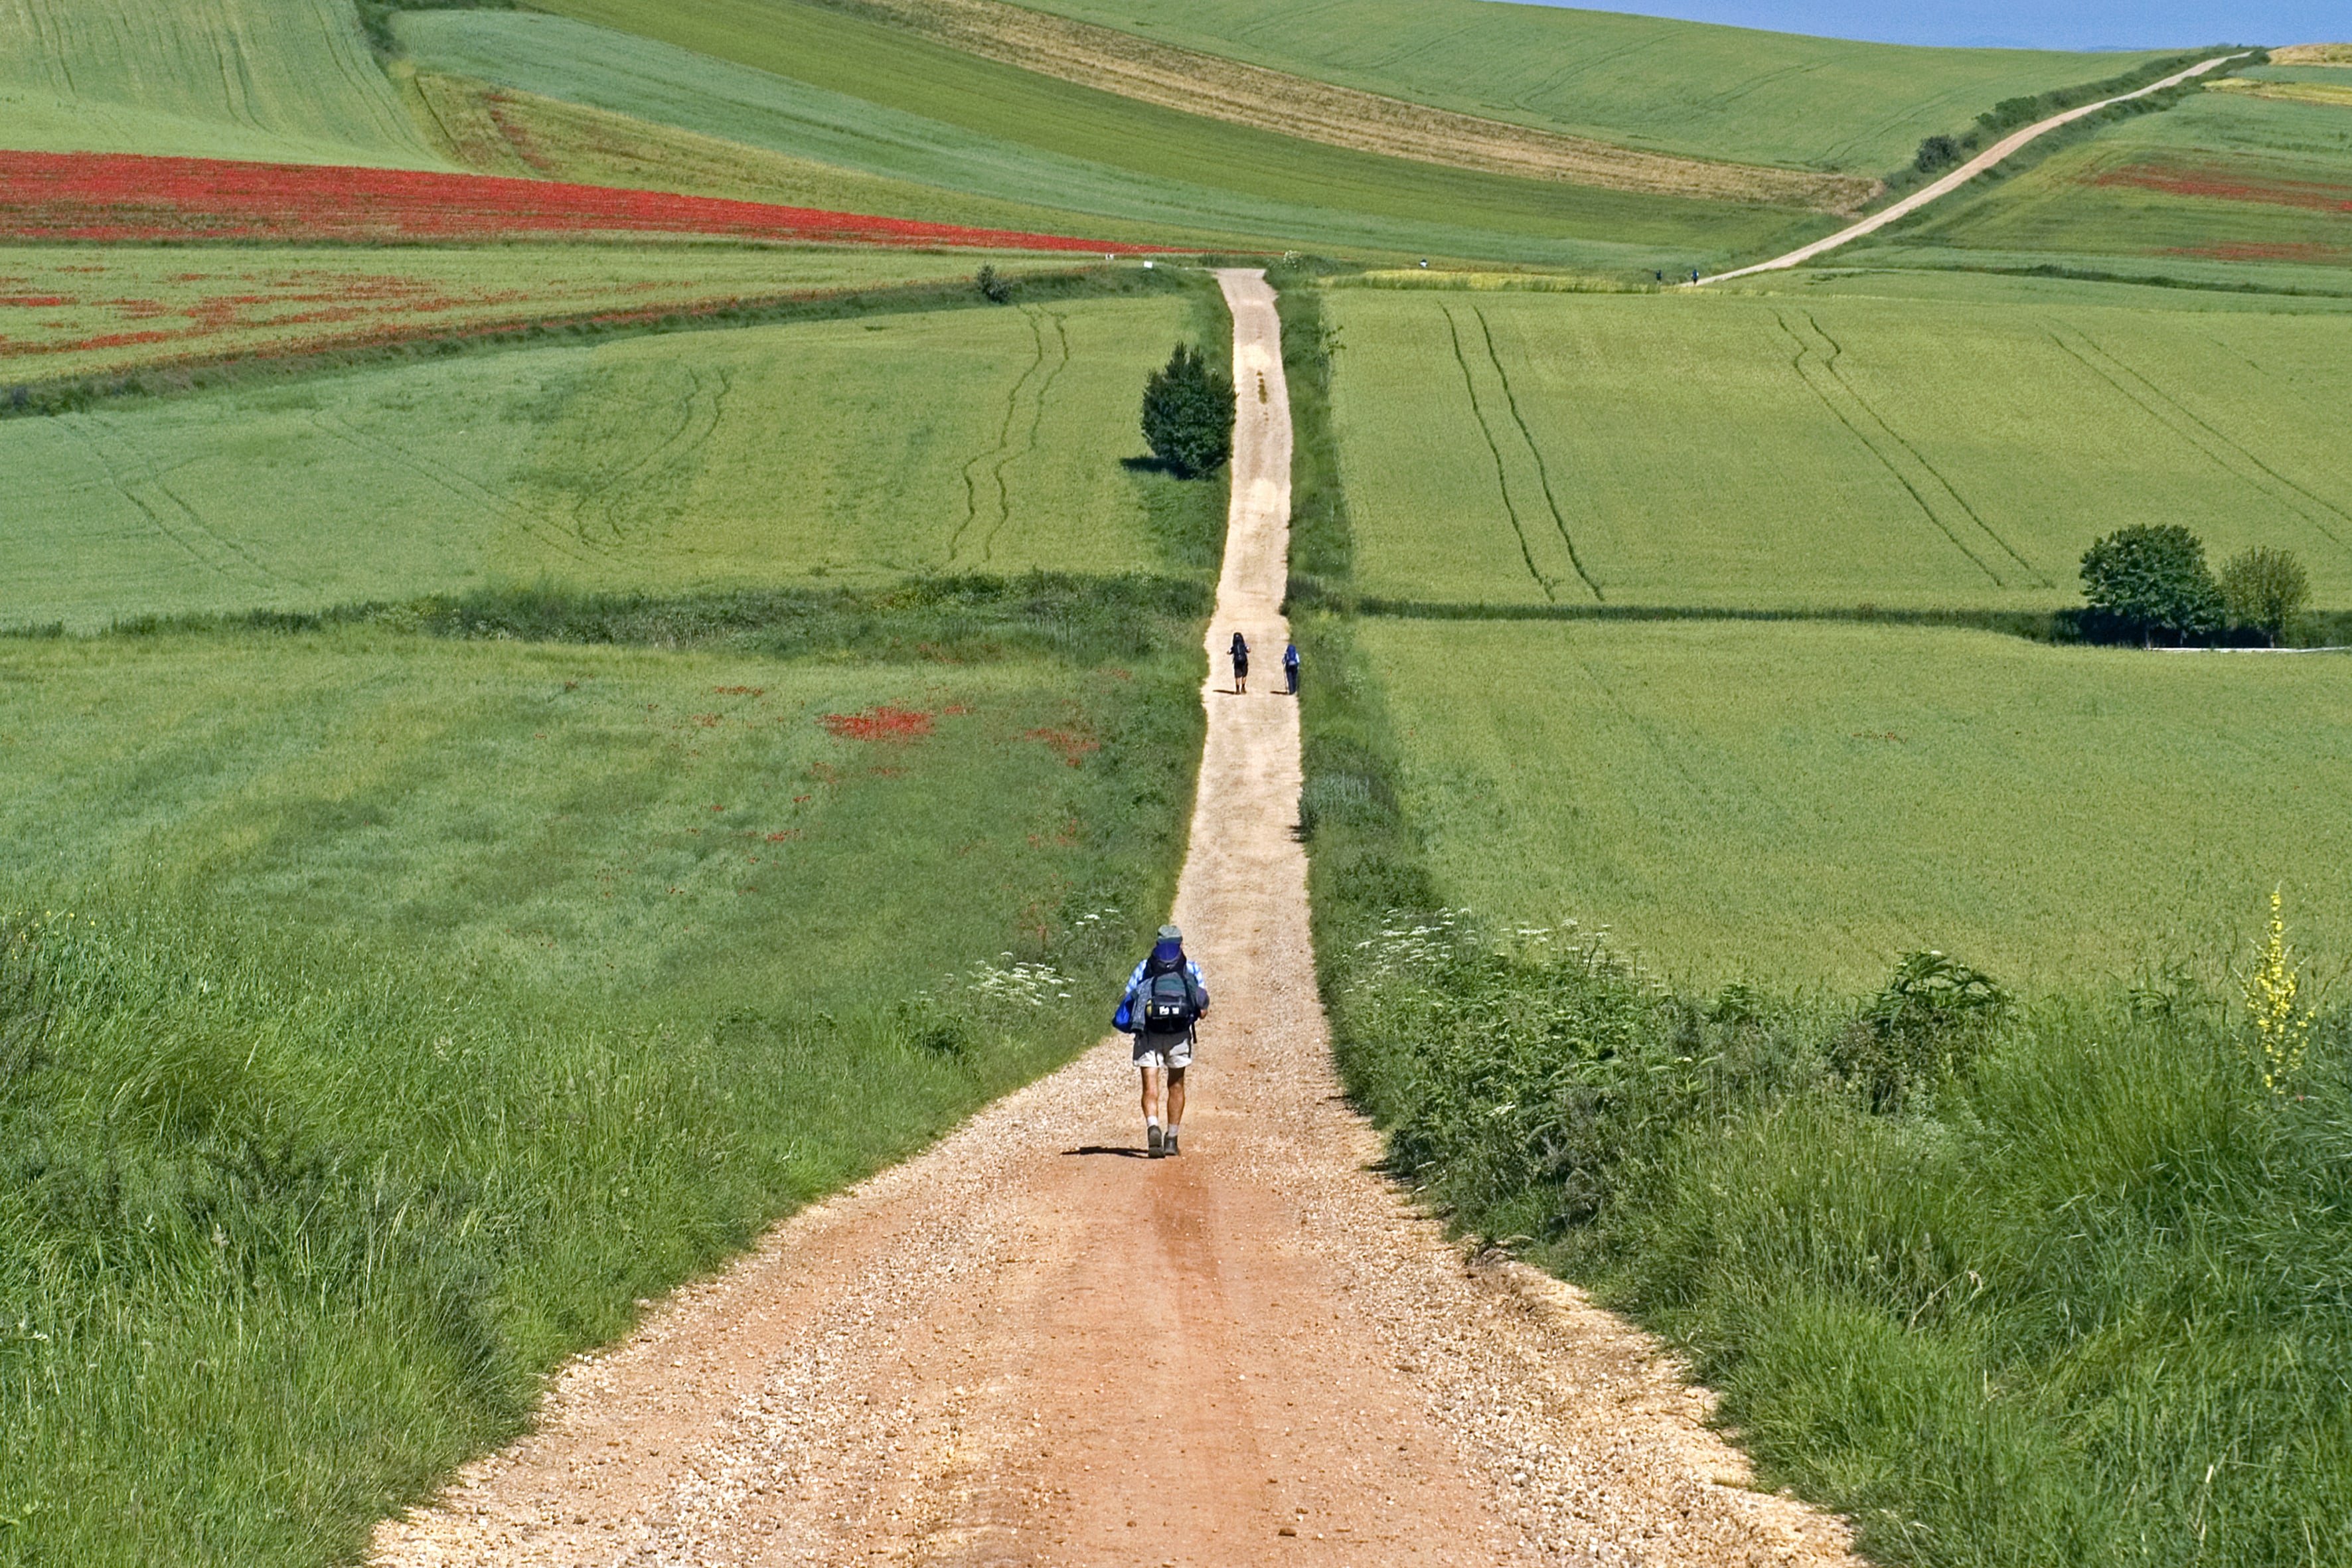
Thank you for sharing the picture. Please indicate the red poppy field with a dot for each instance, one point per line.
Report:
(121, 199)
(2219, 182)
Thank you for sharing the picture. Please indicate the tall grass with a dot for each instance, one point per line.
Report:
(2087, 1302)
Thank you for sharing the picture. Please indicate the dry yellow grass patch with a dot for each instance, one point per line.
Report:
(2336, 94)
(2313, 54)
(1220, 88)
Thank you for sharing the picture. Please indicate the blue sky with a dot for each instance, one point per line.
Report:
(2026, 24)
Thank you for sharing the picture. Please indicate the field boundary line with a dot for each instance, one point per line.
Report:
(1997, 153)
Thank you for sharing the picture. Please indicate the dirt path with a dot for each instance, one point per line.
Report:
(1963, 174)
(1029, 1346)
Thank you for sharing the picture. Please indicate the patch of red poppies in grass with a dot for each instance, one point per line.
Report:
(113, 198)
(1069, 744)
(885, 723)
(2220, 182)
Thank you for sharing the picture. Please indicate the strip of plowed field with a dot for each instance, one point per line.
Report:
(1163, 74)
(1033, 1345)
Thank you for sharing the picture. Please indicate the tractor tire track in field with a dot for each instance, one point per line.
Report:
(135, 477)
(2219, 448)
(1837, 351)
(1502, 475)
(997, 457)
(552, 532)
(1543, 469)
(1813, 368)
(621, 504)
(1032, 1348)
(1037, 429)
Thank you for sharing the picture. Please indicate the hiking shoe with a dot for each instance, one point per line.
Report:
(1170, 1148)
(1153, 1141)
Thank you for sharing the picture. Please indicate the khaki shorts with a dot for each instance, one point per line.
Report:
(1164, 1051)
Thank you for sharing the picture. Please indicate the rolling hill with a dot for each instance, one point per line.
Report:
(285, 80)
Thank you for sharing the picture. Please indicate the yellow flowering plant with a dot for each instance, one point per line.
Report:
(2282, 1029)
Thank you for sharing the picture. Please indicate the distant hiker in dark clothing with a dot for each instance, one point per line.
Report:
(1241, 666)
(1290, 666)
(1165, 998)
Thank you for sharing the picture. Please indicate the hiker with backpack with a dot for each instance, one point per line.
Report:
(1241, 666)
(1165, 998)
(1290, 666)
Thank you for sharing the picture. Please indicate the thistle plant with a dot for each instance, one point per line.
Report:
(2282, 1030)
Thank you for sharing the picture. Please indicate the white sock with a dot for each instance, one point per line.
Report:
(1151, 1121)
(1172, 1129)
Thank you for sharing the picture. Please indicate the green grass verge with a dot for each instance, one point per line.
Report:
(835, 87)
(1812, 448)
(388, 1004)
(2064, 1286)
(850, 449)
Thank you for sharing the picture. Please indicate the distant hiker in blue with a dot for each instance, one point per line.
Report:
(1165, 998)
(1241, 666)
(1290, 666)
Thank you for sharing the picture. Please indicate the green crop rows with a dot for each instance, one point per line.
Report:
(290, 80)
(982, 439)
(110, 309)
(1681, 87)
(835, 87)
(1787, 802)
(1799, 449)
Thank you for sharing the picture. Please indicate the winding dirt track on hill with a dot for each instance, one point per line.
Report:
(1997, 153)
(1029, 1346)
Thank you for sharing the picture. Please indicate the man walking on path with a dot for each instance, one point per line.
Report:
(1164, 999)
(1290, 666)
(1241, 666)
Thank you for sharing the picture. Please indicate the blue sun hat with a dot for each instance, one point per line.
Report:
(1170, 943)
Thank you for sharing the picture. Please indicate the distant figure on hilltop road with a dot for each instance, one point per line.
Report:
(1165, 998)
(1241, 666)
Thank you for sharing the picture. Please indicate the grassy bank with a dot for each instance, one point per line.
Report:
(391, 1000)
(2048, 1282)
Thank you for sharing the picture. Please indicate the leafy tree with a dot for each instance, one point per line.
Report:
(1937, 153)
(1188, 414)
(2265, 588)
(2151, 578)
(994, 288)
